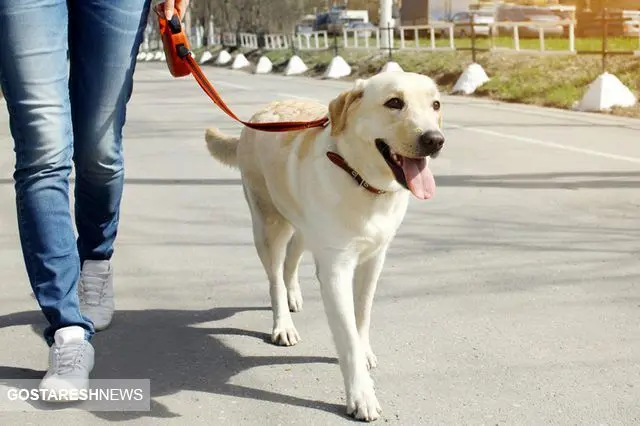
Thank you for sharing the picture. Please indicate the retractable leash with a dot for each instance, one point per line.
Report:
(181, 63)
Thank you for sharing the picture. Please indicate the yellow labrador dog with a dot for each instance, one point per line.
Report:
(340, 192)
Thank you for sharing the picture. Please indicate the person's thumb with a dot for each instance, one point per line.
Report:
(168, 8)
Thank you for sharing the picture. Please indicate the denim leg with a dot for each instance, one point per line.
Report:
(104, 40)
(34, 78)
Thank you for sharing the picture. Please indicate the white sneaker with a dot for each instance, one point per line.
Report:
(70, 362)
(95, 290)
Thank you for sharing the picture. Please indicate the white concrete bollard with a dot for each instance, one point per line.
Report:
(264, 65)
(606, 92)
(239, 62)
(223, 58)
(295, 66)
(337, 68)
(472, 78)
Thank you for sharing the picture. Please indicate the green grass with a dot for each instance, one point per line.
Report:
(546, 80)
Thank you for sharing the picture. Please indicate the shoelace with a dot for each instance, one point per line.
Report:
(92, 289)
(68, 357)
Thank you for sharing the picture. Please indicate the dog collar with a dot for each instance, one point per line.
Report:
(340, 162)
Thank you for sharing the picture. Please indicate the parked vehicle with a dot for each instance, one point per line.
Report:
(303, 29)
(337, 19)
(364, 29)
(481, 24)
(535, 15)
(462, 24)
(331, 22)
(631, 25)
(306, 25)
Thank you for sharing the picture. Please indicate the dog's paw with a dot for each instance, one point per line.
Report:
(371, 359)
(285, 336)
(295, 300)
(363, 405)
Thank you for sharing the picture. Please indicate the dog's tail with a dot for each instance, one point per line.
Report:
(222, 147)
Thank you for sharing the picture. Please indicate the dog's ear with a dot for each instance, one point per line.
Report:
(339, 108)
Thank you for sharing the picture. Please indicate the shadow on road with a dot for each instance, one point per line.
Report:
(559, 180)
(166, 347)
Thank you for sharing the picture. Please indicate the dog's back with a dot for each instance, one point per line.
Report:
(225, 148)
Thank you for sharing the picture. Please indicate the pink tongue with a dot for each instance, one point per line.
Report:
(419, 177)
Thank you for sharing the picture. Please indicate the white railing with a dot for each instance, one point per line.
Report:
(540, 27)
(248, 40)
(316, 40)
(276, 41)
(435, 36)
(431, 28)
(229, 39)
(361, 39)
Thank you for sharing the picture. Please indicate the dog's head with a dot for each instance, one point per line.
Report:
(387, 126)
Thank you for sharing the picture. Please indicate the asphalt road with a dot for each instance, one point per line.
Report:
(512, 297)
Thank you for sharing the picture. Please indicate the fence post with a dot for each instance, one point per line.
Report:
(390, 40)
(294, 50)
(541, 37)
(335, 44)
(516, 37)
(572, 37)
(605, 31)
(432, 35)
(492, 33)
(473, 38)
(452, 43)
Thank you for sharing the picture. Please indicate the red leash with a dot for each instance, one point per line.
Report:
(181, 63)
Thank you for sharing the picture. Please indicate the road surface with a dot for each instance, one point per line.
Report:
(512, 297)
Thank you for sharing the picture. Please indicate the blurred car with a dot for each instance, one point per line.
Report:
(303, 29)
(631, 27)
(481, 24)
(462, 24)
(536, 15)
(364, 29)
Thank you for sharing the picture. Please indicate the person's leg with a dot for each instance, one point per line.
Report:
(104, 40)
(34, 78)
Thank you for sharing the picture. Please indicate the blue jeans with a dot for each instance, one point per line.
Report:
(66, 70)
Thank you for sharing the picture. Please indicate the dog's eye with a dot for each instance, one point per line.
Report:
(394, 103)
(436, 105)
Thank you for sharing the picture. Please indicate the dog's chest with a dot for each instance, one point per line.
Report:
(378, 227)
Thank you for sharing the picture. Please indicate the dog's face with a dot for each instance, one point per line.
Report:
(394, 120)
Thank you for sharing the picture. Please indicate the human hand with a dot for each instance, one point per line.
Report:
(169, 5)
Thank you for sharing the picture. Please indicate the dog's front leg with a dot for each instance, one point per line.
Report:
(335, 271)
(365, 283)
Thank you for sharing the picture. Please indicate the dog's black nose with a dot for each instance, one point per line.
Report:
(432, 140)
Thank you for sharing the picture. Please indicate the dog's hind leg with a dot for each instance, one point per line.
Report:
(295, 249)
(365, 283)
(271, 233)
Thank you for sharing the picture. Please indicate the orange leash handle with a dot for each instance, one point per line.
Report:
(181, 63)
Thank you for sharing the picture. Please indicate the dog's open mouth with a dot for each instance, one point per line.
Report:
(412, 173)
